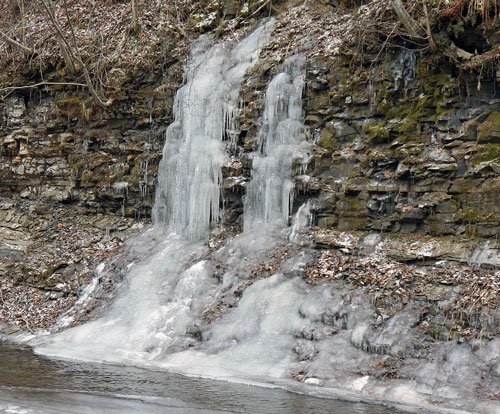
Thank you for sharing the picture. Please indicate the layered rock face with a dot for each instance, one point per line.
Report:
(400, 168)
(74, 181)
(53, 150)
(403, 148)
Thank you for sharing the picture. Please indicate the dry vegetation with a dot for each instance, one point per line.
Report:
(99, 44)
(113, 45)
(108, 38)
(100, 34)
(395, 284)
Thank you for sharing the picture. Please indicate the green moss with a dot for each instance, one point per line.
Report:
(76, 161)
(355, 204)
(351, 86)
(443, 111)
(327, 139)
(380, 153)
(405, 115)
(471, 215)
(490, 128)
(409, 150)
(73, 106)
(352, 223)
(437, 331)
(377, 132)
(422, 68)
(487, 153)
(423, 105)
(436, 84)
(408, 115)
(400, 111)
(470, 230)
(438, 81)
(48, 271)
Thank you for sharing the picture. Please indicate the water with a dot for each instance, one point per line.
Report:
(303, 219)
(404, 69)
(160, 309)
(159, 319)
(31, 383)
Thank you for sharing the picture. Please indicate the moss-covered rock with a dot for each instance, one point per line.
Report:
(489, 131)
(487, 153)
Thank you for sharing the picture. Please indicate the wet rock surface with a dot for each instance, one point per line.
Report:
(389, 161)
(99, 162)
(408, 329)
(454, 300)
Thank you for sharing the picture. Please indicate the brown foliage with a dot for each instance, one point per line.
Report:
(488, 10)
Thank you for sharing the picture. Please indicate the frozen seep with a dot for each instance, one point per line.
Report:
(301, 220)
(243, 312)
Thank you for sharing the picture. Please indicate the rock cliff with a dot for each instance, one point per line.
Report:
(402, 162)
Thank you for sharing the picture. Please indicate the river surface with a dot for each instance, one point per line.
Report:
(31, 383)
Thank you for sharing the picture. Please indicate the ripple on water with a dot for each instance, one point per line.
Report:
(31, 383)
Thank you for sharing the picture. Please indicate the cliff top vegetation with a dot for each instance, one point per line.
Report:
(98, 44)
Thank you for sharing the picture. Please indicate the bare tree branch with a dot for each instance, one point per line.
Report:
(71, 53)
(135, 21)
(61, 39)
(432, 44)
(20, 4)
(14, 43)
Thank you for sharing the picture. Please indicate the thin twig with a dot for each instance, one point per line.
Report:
(14, 43)
(432, 44)
(260, 8)
(36, 85)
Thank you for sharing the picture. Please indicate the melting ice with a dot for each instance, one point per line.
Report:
(205, 108)
(160, 318)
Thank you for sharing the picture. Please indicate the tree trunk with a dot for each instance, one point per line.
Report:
(65, 47)
(71, 54)
(20, 4)
(412, 27)
(432, 44)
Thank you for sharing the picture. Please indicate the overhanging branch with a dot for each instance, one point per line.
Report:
(411, 26)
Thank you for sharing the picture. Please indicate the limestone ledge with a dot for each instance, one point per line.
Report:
(412, 248)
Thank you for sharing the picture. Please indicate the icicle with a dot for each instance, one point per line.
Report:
(269, 197)
(206, 111)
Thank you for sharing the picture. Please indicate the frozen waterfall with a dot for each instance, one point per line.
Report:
(269, 195)
(177, 308)
(244, 311)
(159, 307)
(205, 108)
